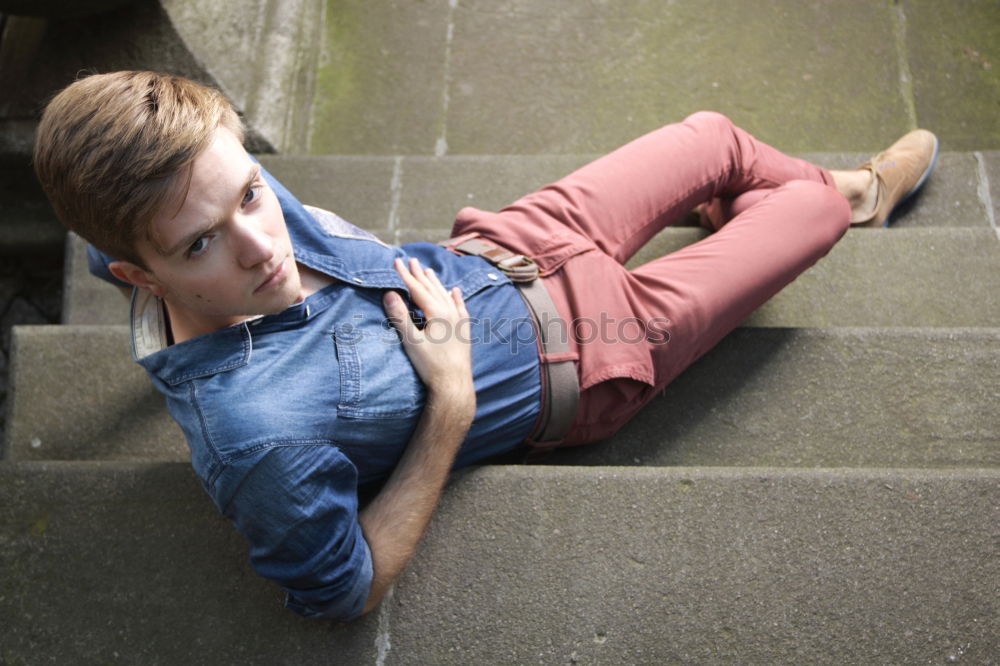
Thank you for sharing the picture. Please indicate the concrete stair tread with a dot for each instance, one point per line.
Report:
(390, 193)
(613, 565)
(88, 300)
(900, 279)
(475, 77)
(76, 393)
(873, 277)
(765, 396)
(906, 277)
(820, 398)
(27, 222)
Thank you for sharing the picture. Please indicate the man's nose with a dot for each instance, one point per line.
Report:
(255, 245)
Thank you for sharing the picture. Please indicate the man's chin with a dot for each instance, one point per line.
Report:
(286, 300)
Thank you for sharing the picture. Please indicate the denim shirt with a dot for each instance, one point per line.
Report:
(286, 414)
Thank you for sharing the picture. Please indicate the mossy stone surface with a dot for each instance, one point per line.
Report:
(584, 76)
(381, 77)
(954, 53)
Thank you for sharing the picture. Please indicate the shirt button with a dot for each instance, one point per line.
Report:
(493, 276)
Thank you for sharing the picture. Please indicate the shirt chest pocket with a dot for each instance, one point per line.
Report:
(377, 380)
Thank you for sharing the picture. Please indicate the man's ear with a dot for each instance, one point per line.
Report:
(139, 277)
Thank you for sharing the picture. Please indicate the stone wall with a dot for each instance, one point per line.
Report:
(261, 53)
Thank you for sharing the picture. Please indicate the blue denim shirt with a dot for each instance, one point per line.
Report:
(285, 415)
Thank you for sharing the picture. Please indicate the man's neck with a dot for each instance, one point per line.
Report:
(182, 326)
(312, 280)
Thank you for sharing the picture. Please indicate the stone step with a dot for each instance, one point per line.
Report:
(86, 299)
(75, 393)
(576, 76)
(916, 277)
(27, 223)
(873, 277)
(263, 57)
(585, 75)
(404, 199)
(398, 194)
(656, 565)
(407, 198)
(765, 396)
(834, 397)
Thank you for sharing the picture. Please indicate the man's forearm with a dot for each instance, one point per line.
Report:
(396, 519)
(440, 353)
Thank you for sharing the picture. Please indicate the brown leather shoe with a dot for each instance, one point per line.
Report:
(901, 170)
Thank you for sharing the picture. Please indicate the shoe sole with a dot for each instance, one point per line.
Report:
(920, 182)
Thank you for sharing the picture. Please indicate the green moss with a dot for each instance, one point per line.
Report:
(340, 70)
(586, 76)
(580, 76)
(39, 526)
(955, 60)
(10, 659)
(379, 84)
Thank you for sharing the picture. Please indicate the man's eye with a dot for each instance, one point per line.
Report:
(198, 246)
(251, 195)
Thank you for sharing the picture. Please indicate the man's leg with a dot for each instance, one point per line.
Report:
(708, 288)
(623, 199)
(705, 290)
(786, 214)
(584, 227)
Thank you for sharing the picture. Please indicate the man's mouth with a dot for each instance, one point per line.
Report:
(273, 279)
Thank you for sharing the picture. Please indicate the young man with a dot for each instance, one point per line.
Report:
(283, 340)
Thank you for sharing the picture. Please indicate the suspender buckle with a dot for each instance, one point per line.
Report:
(517, 267)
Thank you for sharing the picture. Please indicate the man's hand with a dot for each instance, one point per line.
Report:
(440, 352)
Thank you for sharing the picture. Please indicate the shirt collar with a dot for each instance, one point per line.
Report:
(218, 351)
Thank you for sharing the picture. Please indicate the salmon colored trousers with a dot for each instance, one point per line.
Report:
(631, 332)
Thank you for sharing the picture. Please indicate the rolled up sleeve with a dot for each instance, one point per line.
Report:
(297, 505)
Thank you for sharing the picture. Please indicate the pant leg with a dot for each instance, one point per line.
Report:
(706, 289)
(584, 227)
(623, 199)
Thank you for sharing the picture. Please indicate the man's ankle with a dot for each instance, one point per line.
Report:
(860, 188)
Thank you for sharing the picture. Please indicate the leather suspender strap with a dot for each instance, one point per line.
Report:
(517, 267)
(560, 384)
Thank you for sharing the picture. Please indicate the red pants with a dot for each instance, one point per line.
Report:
(635, 331)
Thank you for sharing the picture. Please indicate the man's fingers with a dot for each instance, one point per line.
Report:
(433, 280)
(440, 351)
(427, 291)
(413, 276)
(427, 278)
(393, 304)
(396, 312)
(456, 298)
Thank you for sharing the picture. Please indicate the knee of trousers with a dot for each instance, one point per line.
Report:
(709, 119)
(826, 209)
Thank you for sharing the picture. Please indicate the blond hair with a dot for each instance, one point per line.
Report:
(112, 149)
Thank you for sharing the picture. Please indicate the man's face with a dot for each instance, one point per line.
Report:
(225, 255)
